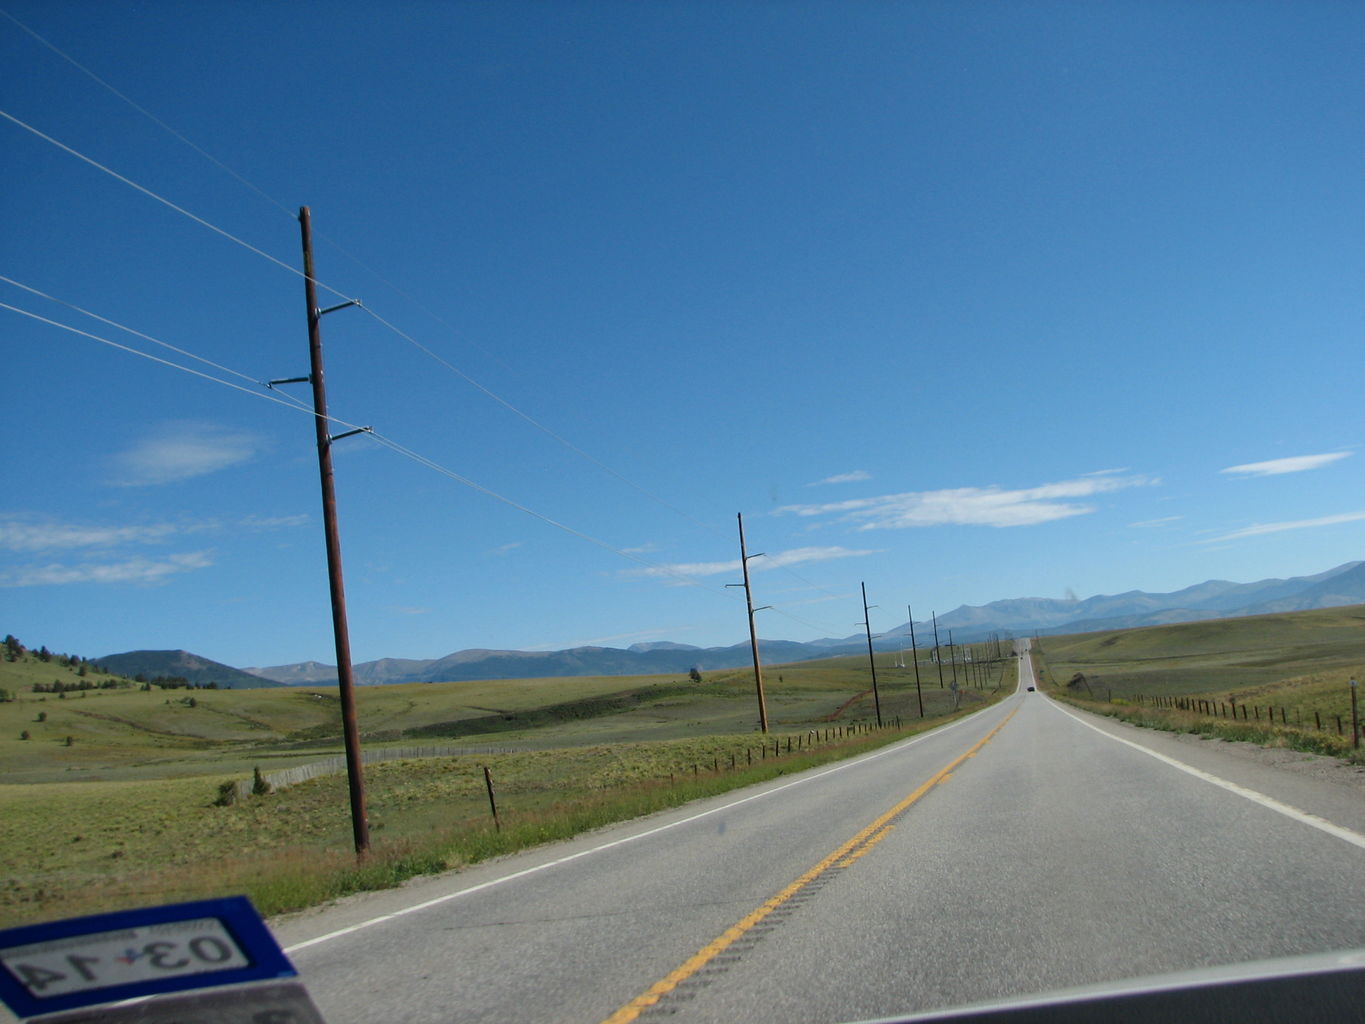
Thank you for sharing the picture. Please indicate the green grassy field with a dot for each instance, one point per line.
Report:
(1298, 663)
(125, 814)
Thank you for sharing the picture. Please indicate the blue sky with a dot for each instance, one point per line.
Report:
(963, 301)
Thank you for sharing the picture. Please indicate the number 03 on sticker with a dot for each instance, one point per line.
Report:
(83, 961)
(124, 957)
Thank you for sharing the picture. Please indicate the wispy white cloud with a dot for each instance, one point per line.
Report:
(133, 570)
(1163, 521)
(1258, 529)
(26, 535)
(1293, 464)
(843, 478)
(973, 506)
(796, 556)
(275, 522)
(16, 535)
(503, 549)
(183, 450)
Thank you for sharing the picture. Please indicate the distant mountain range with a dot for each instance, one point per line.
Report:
(184, 665)
(1212, 599)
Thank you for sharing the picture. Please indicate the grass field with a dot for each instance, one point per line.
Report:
(125, 815)
(1298, 663)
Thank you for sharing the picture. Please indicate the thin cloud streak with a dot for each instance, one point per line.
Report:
(1163, 521)
(972, 506)
(181, 451)
(796, 556)
(1260, 529)
(20, 536)
(24, 536)
(856, 476)
(1294, 464)
(135, 570)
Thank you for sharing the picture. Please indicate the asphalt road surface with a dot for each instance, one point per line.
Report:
(1024, 849)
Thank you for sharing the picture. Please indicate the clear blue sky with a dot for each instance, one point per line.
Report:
(965, 301)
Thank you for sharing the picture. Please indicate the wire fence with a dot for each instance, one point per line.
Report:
(773, 746)
(336, 765)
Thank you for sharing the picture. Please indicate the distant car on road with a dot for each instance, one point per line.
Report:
(1030, 689)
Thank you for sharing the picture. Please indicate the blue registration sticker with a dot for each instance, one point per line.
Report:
(84, 961)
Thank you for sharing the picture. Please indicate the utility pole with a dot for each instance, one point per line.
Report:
(952, 653)
(753, 633)
(876, 697)
(938, 660)
(360, 826)
(914, 653)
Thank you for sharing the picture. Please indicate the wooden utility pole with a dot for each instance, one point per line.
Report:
(876, 697)
(938, 658)
(753, 632)
(914, 653)
(360, 826)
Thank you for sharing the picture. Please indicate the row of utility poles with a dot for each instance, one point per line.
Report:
(976, 671)
(350, 728)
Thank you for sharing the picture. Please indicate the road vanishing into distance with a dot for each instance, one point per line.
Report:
(1026, 848)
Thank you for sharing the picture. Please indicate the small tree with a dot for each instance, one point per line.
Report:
(70, 740)
(694, 674)
(24, 735)
(42, 716)
(259, 785)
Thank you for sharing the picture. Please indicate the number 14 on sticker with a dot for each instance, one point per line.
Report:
(126, 956)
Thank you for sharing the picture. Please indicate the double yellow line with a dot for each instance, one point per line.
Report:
(843, 857)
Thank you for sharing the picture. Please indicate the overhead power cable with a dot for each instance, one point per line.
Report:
(334, 291)
(144, 112)
(298, 407)
(136, 333)
(272, 397)
(162, 200)
(437, 467)
(534, 422)
(232, 172)
(392, 327)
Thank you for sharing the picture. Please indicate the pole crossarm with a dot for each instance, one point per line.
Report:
(319, 313)
(349, 433)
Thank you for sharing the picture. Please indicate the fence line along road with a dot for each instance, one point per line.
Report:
(337, 764)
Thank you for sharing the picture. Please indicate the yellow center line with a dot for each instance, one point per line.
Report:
(842, 857)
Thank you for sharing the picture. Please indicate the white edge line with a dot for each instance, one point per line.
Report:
(1269, 802)
(843, 765)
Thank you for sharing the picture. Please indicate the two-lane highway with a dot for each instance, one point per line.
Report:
(1019, 850)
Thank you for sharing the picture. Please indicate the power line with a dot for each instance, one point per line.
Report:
(437, 467)
(166, 362)
(160, 199)
(392, 327)
(534, 422)
(138, 334)
(297, 407)
(145, 112)
(260, 252)
(232, 172)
